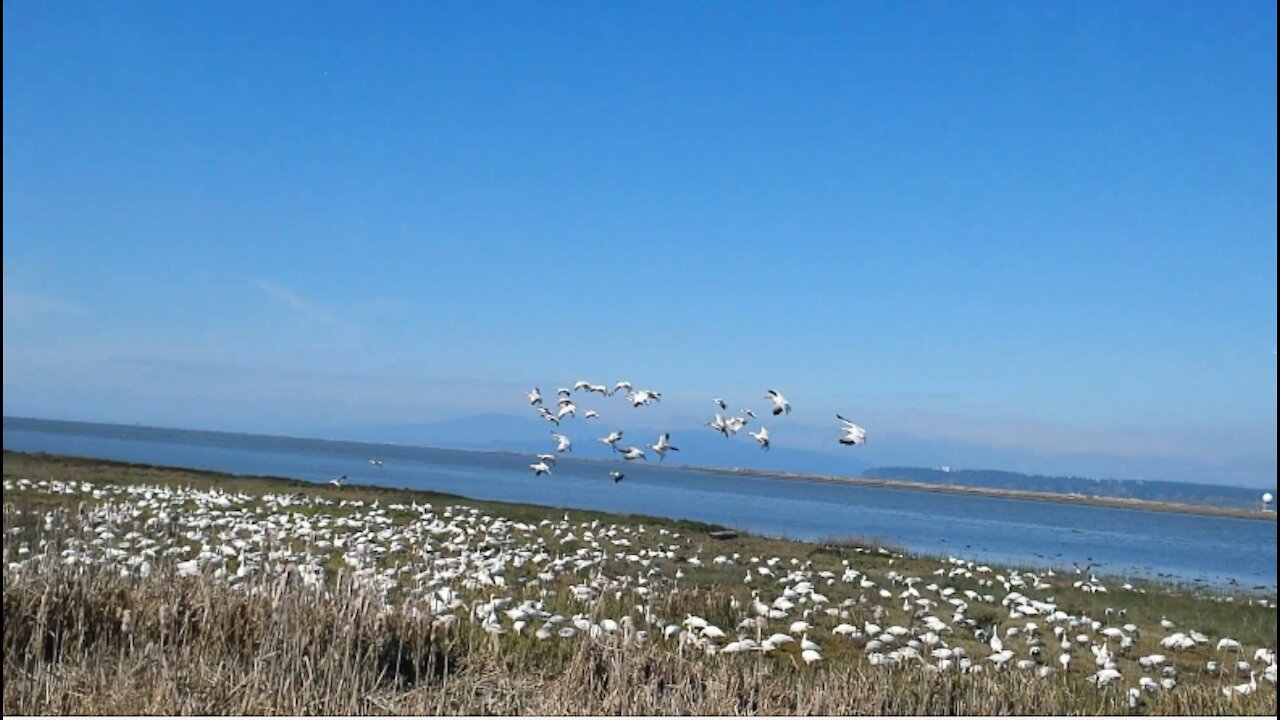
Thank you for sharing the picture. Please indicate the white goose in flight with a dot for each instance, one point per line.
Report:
(375, 461)
(761, 437)
(562, 441)
(547, 458)
(612, 439)
(780, 403)
(337, 482)
(540, 468)
(734, 424)
(643, 397)
(567, 409)
(535, 397)
(853, 434)
(602, 389)
(718, 425)
(548, 416)
(663, 445)
(620, 386)
(632, 453)
(591, 415)
(581, 385)
(616, 475)
(720, 402)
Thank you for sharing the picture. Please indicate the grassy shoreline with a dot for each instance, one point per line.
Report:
(86, 634)
(52, 465)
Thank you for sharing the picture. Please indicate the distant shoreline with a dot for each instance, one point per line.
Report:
(1006, 494)
(887, 483)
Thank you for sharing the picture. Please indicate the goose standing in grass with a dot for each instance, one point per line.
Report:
(761, 436)
(780, 404)
(1244, 689)
(612, 439)
(563, 444)
(853, 434)
(616, 475)
(663, 446)
(540, 468)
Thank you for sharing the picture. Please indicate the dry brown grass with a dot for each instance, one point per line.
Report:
(87, 640)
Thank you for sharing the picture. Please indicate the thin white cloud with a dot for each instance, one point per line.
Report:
(26, 305)
(299, 304)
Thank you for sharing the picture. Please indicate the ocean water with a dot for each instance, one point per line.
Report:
(1217, 551)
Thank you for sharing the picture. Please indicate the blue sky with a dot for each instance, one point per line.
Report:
(1042, 230)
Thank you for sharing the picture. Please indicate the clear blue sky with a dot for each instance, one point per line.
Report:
(1041, 226)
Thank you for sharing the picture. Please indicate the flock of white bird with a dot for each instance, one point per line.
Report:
(567, 407)
(564, 581)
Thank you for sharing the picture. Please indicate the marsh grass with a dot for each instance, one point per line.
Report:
(88, 640)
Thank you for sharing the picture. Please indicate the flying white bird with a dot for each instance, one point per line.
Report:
(337, 482)
(591, 415)
(780, 403)
(617, 476)
(853, 434)
(632, 453)
(720, 402)
(540, 469)
(564, 391)
(547, 458)
(750, 413)
(761, 437)
(663, 445)
(612, 439)
(375, 461)
(562, 441)
(548, 416)
(535, 397)
(620, 386)
(602, 389)
(718, 425)
(581, 385)
(734, 424)
(567, 409)
(643, 397)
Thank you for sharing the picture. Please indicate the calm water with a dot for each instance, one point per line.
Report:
(1219, 551)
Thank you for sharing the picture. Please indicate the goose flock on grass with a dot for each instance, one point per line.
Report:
(465, 569)
(728, 426)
